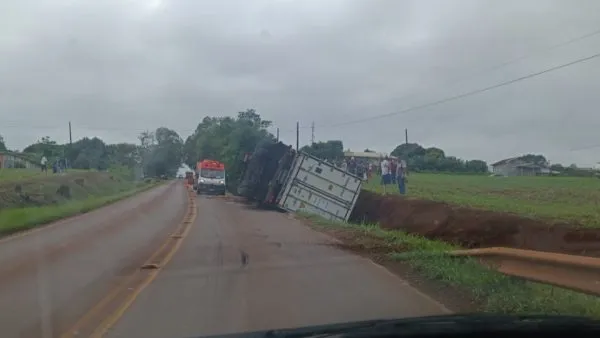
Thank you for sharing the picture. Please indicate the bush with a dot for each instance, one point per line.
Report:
(64, 191)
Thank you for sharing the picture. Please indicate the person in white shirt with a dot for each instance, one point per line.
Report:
(43, 163)
(386, 177)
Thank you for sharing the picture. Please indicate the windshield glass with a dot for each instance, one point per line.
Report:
(211, 173)
(378, 159)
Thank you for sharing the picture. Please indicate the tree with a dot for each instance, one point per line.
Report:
(477, 166)
(435, 153)
(434, 159)
(2, 144)
(124, 154)
(557, 167)
(161, 152)
(407, 150)
(226, 139)
(88, 153)
(535, 159)
(45, 147)
(331, 150)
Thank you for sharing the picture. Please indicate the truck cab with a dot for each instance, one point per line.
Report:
(210, 176)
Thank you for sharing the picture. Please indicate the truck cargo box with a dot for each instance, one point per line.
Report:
(318, 187)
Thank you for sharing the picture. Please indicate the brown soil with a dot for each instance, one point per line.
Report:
(471, 228)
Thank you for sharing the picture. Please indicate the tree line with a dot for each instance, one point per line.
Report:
(158, 153)
(228, 139)
(434, 159)
(418, 158)
(558, 169)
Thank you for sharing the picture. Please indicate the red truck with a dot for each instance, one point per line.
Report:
(210, 177)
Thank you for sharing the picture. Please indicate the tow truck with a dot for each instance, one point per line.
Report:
(210, 177)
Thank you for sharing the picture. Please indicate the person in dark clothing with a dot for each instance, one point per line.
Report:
(352, 166)
(401, 173)
(393, 167)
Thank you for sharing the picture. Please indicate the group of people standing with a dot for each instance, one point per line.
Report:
(393, 172)
(58, 166)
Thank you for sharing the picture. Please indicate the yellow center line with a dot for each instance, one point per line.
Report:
(109, 321)
(112, 319)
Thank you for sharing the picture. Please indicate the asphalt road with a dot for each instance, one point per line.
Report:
(240, 270)
(51, 276)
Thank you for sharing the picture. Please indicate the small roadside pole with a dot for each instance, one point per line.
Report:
(297, 136)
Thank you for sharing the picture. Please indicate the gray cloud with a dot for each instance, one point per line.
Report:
(115, 68)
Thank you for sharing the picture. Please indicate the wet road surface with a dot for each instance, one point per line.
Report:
(51, 276)
(241, 269)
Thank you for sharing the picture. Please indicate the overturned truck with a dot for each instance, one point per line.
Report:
(276, 175)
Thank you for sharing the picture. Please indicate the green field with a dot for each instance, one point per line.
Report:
(19, 219)
(18, 174)
(569, 199)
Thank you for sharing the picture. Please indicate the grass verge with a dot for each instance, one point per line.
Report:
(20, 219)
(492, 291)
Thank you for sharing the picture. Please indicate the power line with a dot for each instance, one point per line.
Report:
(527, 56)
(461, 79)
(23, 124)
(470, 93)
(591, 146)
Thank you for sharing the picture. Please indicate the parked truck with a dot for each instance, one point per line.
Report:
(210, 177)
(277, 175)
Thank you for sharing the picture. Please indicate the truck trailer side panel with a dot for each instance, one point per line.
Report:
(317, 187)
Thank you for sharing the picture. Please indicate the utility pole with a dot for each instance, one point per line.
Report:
(67, 163)
(277, 134)
(297, 136)
(312, 138)
(406, 135)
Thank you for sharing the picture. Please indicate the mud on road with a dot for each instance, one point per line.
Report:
(471, 228)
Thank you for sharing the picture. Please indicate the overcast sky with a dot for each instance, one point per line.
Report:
(117, 67)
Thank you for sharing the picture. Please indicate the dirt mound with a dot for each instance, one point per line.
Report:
(473, 228)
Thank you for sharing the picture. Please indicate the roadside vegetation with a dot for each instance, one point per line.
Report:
(20, 219)
(568, 199)
(489, 291)
(30, 201)
(7, 175)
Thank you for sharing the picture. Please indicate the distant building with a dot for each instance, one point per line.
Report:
(517, 167)
(14, 160)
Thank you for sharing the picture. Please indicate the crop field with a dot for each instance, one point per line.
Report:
(566, 199)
